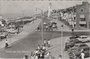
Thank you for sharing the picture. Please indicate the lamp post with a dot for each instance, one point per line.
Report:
(62, 43)
(41, 23)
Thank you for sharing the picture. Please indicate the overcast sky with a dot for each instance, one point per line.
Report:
(27, 8)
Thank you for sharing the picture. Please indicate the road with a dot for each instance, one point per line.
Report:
(28, 44)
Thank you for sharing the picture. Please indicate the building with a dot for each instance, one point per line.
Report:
(83, 15)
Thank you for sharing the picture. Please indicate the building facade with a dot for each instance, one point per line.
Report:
(83, 15)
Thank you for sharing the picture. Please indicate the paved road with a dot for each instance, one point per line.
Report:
(27, 44)
(18, 49)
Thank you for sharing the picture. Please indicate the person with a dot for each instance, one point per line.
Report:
(36, 57)
(48, 54)
(82, 50)
(39, 47)
(72, 31)
(32, 55)
(45, 42)
(25, 57)
(82, 55)
(37, 53)
(6, 43)
(60, 57)
(46, 27)
(41, 56)
(48, 42)
(44, 48)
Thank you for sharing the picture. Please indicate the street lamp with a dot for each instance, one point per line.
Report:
(41, 23)
(62, 43)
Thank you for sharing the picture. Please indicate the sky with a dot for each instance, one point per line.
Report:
(13, 9)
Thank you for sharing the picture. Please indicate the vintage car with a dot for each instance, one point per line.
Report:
(12, 30)
(74, 37)
(3, 34)
(75, 51)
(70, 43)
(84, 38)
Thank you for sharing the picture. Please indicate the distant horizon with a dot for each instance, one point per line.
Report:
(14, 9)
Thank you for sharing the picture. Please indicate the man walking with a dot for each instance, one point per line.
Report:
(6, 43)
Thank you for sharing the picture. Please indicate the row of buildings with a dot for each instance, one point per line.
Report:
(78, 16)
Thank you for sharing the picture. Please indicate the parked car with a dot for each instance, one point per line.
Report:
(84, 38)
(75, 51)
(3, 34)
(71, 42)
(12, 30)
(74, 37)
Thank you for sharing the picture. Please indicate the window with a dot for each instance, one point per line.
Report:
(81, 10)
(82, 19)
(83, 25)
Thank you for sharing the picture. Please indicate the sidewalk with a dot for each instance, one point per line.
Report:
(69, 30)
(28, 29)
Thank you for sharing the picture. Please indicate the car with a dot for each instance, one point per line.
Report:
(70, 43)
(74, 37)
(84, 38)
(76, 50)
(3, 34)
(12, 30)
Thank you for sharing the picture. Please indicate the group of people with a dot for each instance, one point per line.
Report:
(48, 27)
(41, 51)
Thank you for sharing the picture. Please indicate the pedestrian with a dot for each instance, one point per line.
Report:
(82, 55)
(60, 57)
(36, 57)
(6, 43)
(44, 48)
(72, 31)
(36, 52)
(25, 57)
(41, 56)
(39, 47)
(82, 50)
(50, 56)
(48, 43)
(45, 42)
(32, 55)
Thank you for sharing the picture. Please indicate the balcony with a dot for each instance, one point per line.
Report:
(82, 22)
